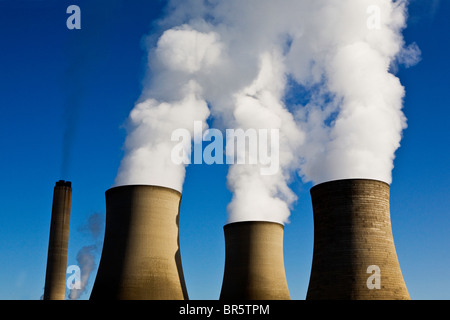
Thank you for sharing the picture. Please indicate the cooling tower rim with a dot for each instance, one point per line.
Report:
(131, 186)
(252, 222)
(322, 184)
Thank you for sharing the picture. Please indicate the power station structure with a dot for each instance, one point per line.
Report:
(55, 277)
(254, 264)
(354, 254)
(141, 254)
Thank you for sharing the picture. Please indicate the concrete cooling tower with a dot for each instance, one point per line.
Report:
(254, 265)
(354, 254)
(55, 277)
(141, 255)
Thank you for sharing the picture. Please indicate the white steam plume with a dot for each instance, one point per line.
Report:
(354, 121)
(149, 146)
(239, 61)
(173, 101)
(260, 106)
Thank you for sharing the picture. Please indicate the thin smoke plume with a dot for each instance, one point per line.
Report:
(239, 61)
(74, 88)
(86, 262)
(93, 228)
(83, 50)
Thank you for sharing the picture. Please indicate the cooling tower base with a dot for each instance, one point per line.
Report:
(354, 253)
(141, 256)
(254, 265)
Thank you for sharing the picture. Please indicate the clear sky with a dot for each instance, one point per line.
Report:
(78, 86)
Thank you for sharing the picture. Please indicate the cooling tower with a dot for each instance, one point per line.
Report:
(141, 255)
(55, 278)
(354, 254)
(254, 265)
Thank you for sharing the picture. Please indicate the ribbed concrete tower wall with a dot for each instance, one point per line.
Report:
(352, 231)
(141, 254)
(55, 278)
(254, 264)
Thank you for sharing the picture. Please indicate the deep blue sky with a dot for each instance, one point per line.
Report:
(81, 85)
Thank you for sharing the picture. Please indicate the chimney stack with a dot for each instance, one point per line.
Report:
(141, 255)
(254, 265)
(354, 254)
(55, 278)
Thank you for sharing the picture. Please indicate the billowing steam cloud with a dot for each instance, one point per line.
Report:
(319, 72)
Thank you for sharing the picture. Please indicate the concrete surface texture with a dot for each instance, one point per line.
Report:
(354, 254)
(55, 277)
(141, 254)
(254, 265)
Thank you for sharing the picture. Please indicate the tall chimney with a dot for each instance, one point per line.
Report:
(354, 254)
(55, 278)
(254, 265)
(141, 255)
